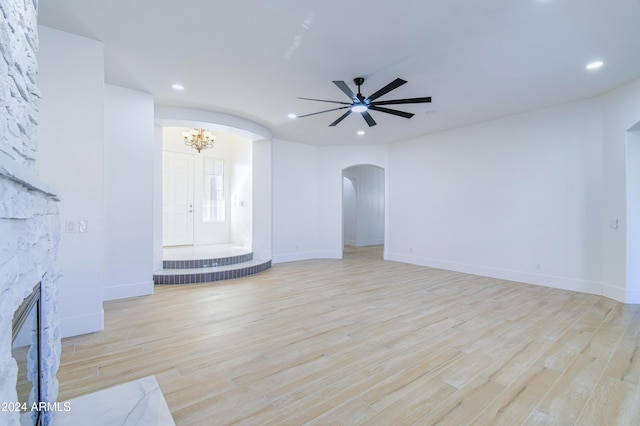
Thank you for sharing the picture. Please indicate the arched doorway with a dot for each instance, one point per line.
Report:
(247, 172)
(363, 207)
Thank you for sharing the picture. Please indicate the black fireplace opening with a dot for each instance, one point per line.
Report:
(26, 350)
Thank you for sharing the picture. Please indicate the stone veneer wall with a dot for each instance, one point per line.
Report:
(29, 222)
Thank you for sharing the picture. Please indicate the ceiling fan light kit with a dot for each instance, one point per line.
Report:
(359, 107)
(362, 105)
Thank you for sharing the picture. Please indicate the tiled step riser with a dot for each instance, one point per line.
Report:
(206, 263)
(206, 277)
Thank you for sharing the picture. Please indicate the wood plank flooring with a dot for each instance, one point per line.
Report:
(366, 341)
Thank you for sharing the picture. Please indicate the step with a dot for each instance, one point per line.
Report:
(207, 262)
(209, 274)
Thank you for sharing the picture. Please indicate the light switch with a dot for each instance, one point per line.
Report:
(83, 226)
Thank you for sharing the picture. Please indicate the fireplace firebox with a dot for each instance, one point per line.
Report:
(26, 350)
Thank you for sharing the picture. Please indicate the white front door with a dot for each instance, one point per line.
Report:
(177, 199)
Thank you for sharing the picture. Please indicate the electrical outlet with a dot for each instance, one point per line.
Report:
(70, 226)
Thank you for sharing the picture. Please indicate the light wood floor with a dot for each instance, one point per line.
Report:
(364, 341)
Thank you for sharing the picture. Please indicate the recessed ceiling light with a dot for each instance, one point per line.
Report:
(594, 65)
(292, 115)
(360, 132)
(177, 86)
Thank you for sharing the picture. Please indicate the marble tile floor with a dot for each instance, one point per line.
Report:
(203, 251)
(136, 403)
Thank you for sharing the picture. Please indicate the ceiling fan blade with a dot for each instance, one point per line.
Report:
(320, 112)
(426, 99)
(367, 117)
(324, 100)
(347, 91)
(391, 111)
(342, 117)
(386, 89)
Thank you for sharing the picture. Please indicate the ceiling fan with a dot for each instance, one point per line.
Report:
(362, 104)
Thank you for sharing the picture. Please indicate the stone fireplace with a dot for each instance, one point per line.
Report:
(29, 222)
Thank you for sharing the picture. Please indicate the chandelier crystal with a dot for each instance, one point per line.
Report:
(199, 139)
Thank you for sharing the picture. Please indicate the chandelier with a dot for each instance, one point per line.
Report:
(199, 139)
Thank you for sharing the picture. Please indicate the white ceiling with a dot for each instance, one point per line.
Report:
(478, 59)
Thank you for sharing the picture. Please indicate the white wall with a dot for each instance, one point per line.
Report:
(349, 212)
(307, 180)
(295, 201)
(621, 112)
(262, 199)
(128, 193)
(157, 199)
(71, 133)
(241, 196)
(368, 185)
(633, 212)
(529, 198)
(518, 198)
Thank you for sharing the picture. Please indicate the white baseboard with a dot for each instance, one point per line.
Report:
(83, 324)
(305, 255)
(563, 283)
(125, 291)
(613, 292)
(632, 297)
(328, 254)
(291, 257)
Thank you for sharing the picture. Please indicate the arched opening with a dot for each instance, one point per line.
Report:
(363, 209)
(221, 198)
